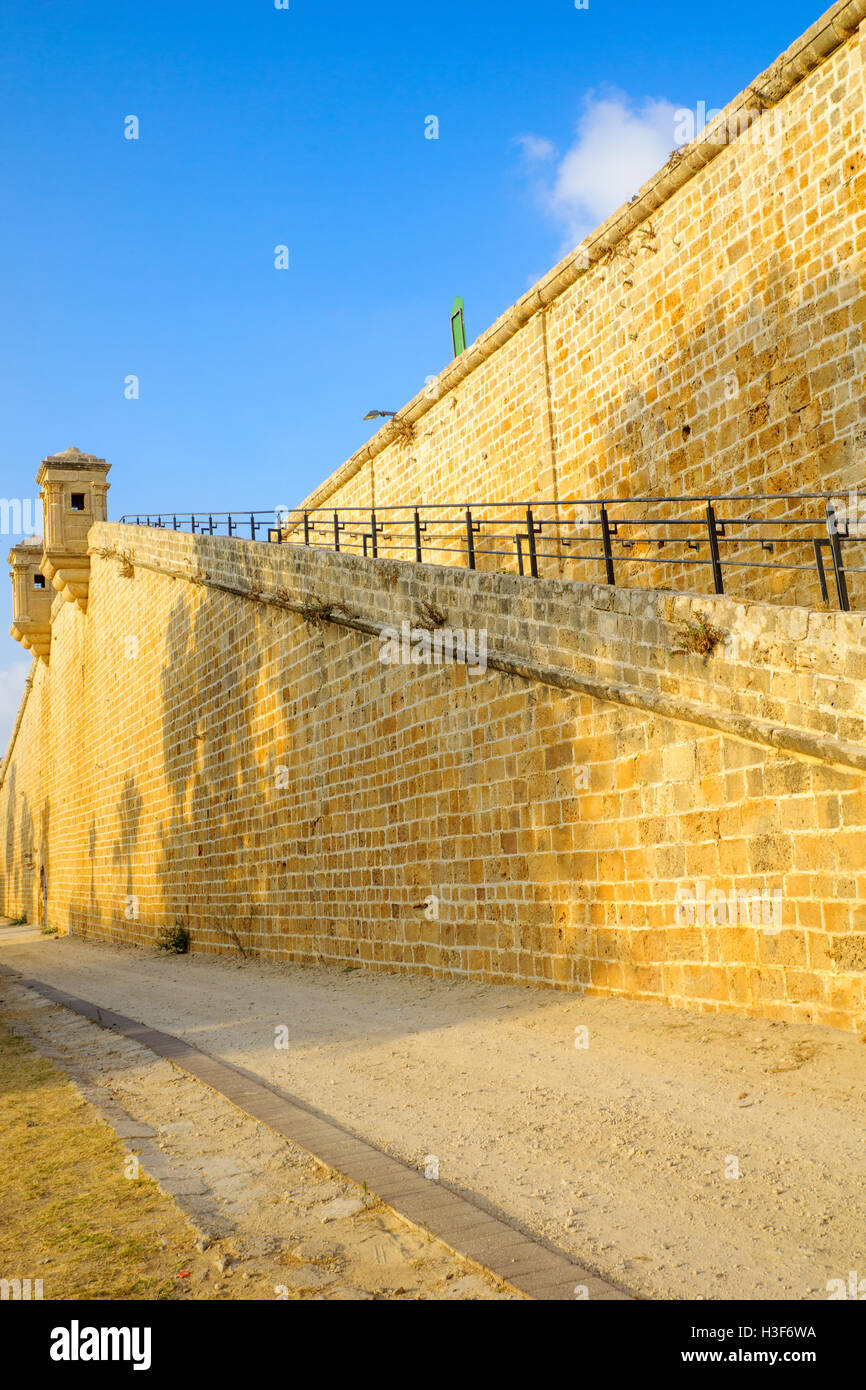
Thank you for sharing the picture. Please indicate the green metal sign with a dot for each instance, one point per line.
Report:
(458, 327)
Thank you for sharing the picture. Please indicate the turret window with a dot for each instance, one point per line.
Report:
(39, 581)
(77, 501)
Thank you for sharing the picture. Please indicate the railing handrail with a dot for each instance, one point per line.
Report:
(422, 527)
(701, 497)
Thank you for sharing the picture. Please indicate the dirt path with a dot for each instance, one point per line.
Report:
(624, 1152)
(263, 1221)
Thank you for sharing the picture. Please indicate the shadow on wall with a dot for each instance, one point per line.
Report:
(247, 870)
(42, 878)
(27, 854)
(201, 862)
(17, 898)
(94, 910)
(128, 817)
(213, 869)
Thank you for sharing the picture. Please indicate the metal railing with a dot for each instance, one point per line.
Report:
(790, 543)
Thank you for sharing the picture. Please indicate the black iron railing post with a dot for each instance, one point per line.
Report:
(306, 528)
(836, 555)
(610, 577)
(715, 557)
(518, 540)
(417, 524)
(533, 555)
(373, 535)
(470, 540)
(819, 566)
(336, 532)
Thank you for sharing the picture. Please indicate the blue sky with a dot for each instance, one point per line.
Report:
(304, 127)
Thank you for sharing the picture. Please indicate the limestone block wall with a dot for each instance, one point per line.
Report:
(708, 338)
(217, 741)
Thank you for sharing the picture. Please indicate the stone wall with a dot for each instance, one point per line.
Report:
(206, 745)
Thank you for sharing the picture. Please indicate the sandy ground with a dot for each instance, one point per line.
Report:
(265, 1221)
(682, 1156)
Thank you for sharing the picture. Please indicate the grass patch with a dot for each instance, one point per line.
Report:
(63, 1195)
(174, 939)
(698, 638)
(317, 611)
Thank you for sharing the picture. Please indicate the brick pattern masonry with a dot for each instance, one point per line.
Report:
(204, 746)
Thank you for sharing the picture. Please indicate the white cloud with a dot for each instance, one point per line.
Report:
(11, 686)
(536, 150)
(618, 145)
